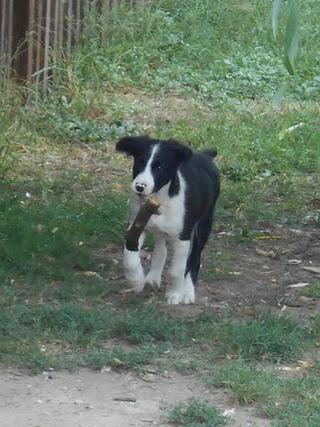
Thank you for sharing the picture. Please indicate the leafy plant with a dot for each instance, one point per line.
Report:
(291, 33)
(196, 414)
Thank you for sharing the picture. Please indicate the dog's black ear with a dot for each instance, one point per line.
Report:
(134, 145)
(182, 153)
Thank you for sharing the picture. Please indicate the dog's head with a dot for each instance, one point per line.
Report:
(155, 162)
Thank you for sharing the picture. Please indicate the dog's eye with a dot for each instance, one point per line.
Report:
(157, 167)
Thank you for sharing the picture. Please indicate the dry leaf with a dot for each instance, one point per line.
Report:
(315, 270)
(92, 275)
(112, 248)
(229, 412)
(299, 285)
(49, 258)
(305, 364)
(117, 362)
(290, 368)
(307, 300)
(294, 261)
(269, 253)
(270, 237)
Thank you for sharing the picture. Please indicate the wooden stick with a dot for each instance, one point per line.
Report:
(148, 208)
(125, 399)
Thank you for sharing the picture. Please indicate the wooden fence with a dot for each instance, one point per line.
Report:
(31, 30)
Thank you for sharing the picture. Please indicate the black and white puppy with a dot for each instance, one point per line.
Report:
(187, 185)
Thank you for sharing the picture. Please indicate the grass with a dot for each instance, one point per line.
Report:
(81, 331)
(210, 74)
(196, 414)
(267, 337)
(290, 402)
(312, 291)
(47, 238)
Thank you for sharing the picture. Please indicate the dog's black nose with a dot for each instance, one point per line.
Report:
(140, 188)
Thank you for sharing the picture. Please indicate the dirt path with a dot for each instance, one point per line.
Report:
(87, 399)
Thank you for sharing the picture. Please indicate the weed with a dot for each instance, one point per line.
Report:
(312, 291)
(246, 383)
(196, 414)
(290, 402)
(122, 358)
(268, 337)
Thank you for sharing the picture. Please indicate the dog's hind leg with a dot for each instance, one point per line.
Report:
(157, 263)
(201, 234)
(176, 289)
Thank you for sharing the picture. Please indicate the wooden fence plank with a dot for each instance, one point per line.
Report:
(56, 26)
(61, 25)
(69, 27)
(46, 46)
(32, 32)
(30, 39)
(78, 18)
(3, 27)
(39, 38)
(10, 32)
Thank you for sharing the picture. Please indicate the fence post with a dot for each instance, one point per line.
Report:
(31, 30)
(30, 40)
(46, 46)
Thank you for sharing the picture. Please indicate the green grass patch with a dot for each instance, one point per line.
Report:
(70, 335)
(216, 51)
(289, 402)
(196, 413)
(312, 291)
(267, 337)
(83, 329)
(48, 239)
(269, 168)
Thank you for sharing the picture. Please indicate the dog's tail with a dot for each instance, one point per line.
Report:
(211, 152)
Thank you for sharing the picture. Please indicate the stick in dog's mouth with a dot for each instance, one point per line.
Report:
(150, 206)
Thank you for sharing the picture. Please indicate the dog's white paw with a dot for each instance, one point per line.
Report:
(136, 280)
(174, 297)
(133, 270)
(188, 291)
(153, 278)
(182, 294)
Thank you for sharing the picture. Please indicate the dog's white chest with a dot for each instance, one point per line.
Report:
(171, 218)
(170, 221)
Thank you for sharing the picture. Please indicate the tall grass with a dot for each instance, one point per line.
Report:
(215, 49)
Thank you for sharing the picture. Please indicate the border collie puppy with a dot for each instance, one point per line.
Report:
(187, 185)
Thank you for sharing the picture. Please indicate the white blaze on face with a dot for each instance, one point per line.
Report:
(145, 180)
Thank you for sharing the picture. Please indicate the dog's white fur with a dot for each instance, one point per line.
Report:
(145, 178)
(166, 227)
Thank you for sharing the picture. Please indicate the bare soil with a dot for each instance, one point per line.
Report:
(104, 399)
(253, 275)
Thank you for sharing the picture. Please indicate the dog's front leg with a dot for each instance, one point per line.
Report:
(176, 292)
(157, 263)
(133, 268)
